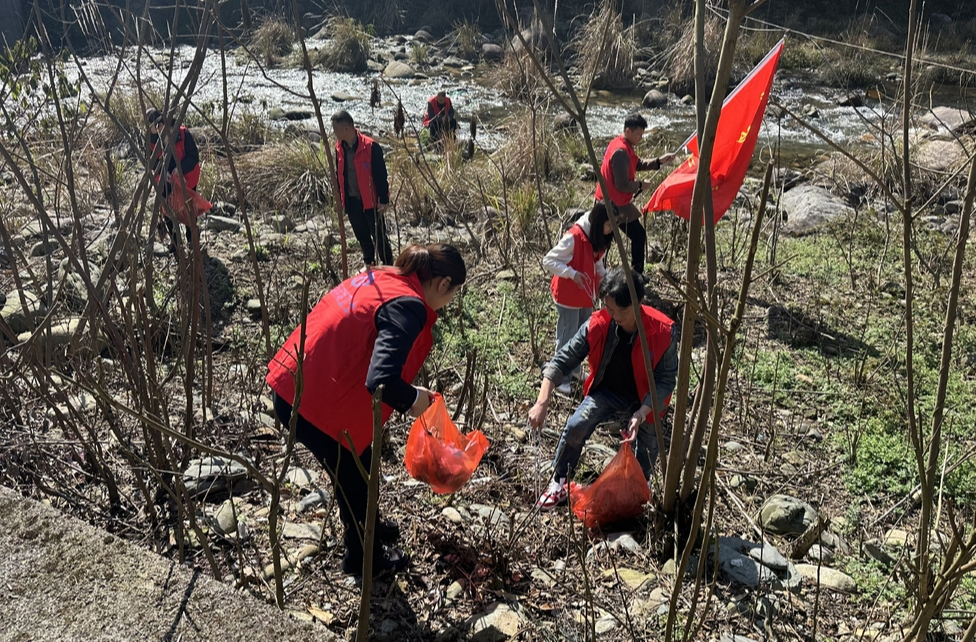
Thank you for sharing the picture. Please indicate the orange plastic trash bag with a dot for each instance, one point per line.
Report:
(619, 493)
(185, 203)
(438, 454)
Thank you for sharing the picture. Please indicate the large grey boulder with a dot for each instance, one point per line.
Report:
(785, 515)
(809, 207)
(654, 99)
(948, 118)
(492, 52)
(828, 577)
(213, 476)
(940, 156)
(223, 224)
(16, 315)
(398, 69)
(500, 622)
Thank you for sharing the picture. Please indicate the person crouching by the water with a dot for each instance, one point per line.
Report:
(439, 118)
(617, 386)
(373, 329)
(364, 187)
(184, 154)
(576, 265)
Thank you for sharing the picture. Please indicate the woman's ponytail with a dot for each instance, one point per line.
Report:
(432, 261)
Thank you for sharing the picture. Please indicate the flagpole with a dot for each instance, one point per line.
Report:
(741, 84)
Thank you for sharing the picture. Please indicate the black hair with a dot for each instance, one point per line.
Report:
(597, 217)
(154, 116)
(635, 121)
(614, 284)
(432, 261)
(342, 116)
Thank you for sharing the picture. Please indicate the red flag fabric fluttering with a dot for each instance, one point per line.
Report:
(735, 141)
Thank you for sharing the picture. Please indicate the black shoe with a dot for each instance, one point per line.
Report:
(386, 560)
(387, 531)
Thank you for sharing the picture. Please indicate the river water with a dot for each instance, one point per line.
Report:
(260, 90)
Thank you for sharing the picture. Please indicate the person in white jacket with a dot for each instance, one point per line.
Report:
(576, 265)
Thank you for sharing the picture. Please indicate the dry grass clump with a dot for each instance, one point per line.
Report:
(348, 48)
(516, 77)
(527, 153)
(681, 58)
(467, 38)
(273, 40)
(606, 50)
(292, 175)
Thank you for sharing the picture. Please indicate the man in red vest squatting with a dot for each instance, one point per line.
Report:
(439, 117)
(363, 187)
(620, 167)
(617, 386)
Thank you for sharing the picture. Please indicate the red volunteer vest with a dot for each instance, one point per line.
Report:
(339, 336)
(192, 177)
(658, 328)
(565, 292)
(617, 197)
(363, 160)
(432, 103)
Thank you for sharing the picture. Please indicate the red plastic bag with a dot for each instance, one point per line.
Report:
(186, 203)
(620, 492)
(437, 452)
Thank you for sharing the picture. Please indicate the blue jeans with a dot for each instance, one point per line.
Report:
(598, 407)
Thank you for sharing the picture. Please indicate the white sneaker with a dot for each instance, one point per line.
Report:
(565, 388)
(555, 495)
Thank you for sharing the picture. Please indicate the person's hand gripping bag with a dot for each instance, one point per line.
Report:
(619, 493)
(438, 454)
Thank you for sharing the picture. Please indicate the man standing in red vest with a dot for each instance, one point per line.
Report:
(439, 117)
(619, 169)
(617, 387)
(363, 187)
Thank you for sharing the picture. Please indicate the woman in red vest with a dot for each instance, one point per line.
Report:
(185, 156)
(576, 265)
(373, 329)
(617, 386)
(619, 169)
(439, 118)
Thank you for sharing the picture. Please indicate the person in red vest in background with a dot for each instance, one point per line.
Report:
(163, 132)
(617, 386)
(364, 187)
(619, 170)
(576, 265)
(373, 329)
(439, 118)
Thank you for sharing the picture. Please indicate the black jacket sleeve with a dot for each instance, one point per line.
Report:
(380, 179)
(191, 156)
(398, 322)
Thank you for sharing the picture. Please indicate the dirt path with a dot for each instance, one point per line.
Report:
(61, 579)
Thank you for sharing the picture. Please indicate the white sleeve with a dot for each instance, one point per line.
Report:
(600, 269)
(556, 261)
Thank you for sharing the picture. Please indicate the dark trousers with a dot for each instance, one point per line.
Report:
(370, 229)
(638, 244)
(171, 226)
(351, 488)
(440, 127)
(636, 233)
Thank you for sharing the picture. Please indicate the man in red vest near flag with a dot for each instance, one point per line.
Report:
(439, 117)
(363, 187)
(619, 169)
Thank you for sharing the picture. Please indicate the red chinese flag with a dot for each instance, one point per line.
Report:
(735, 141)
